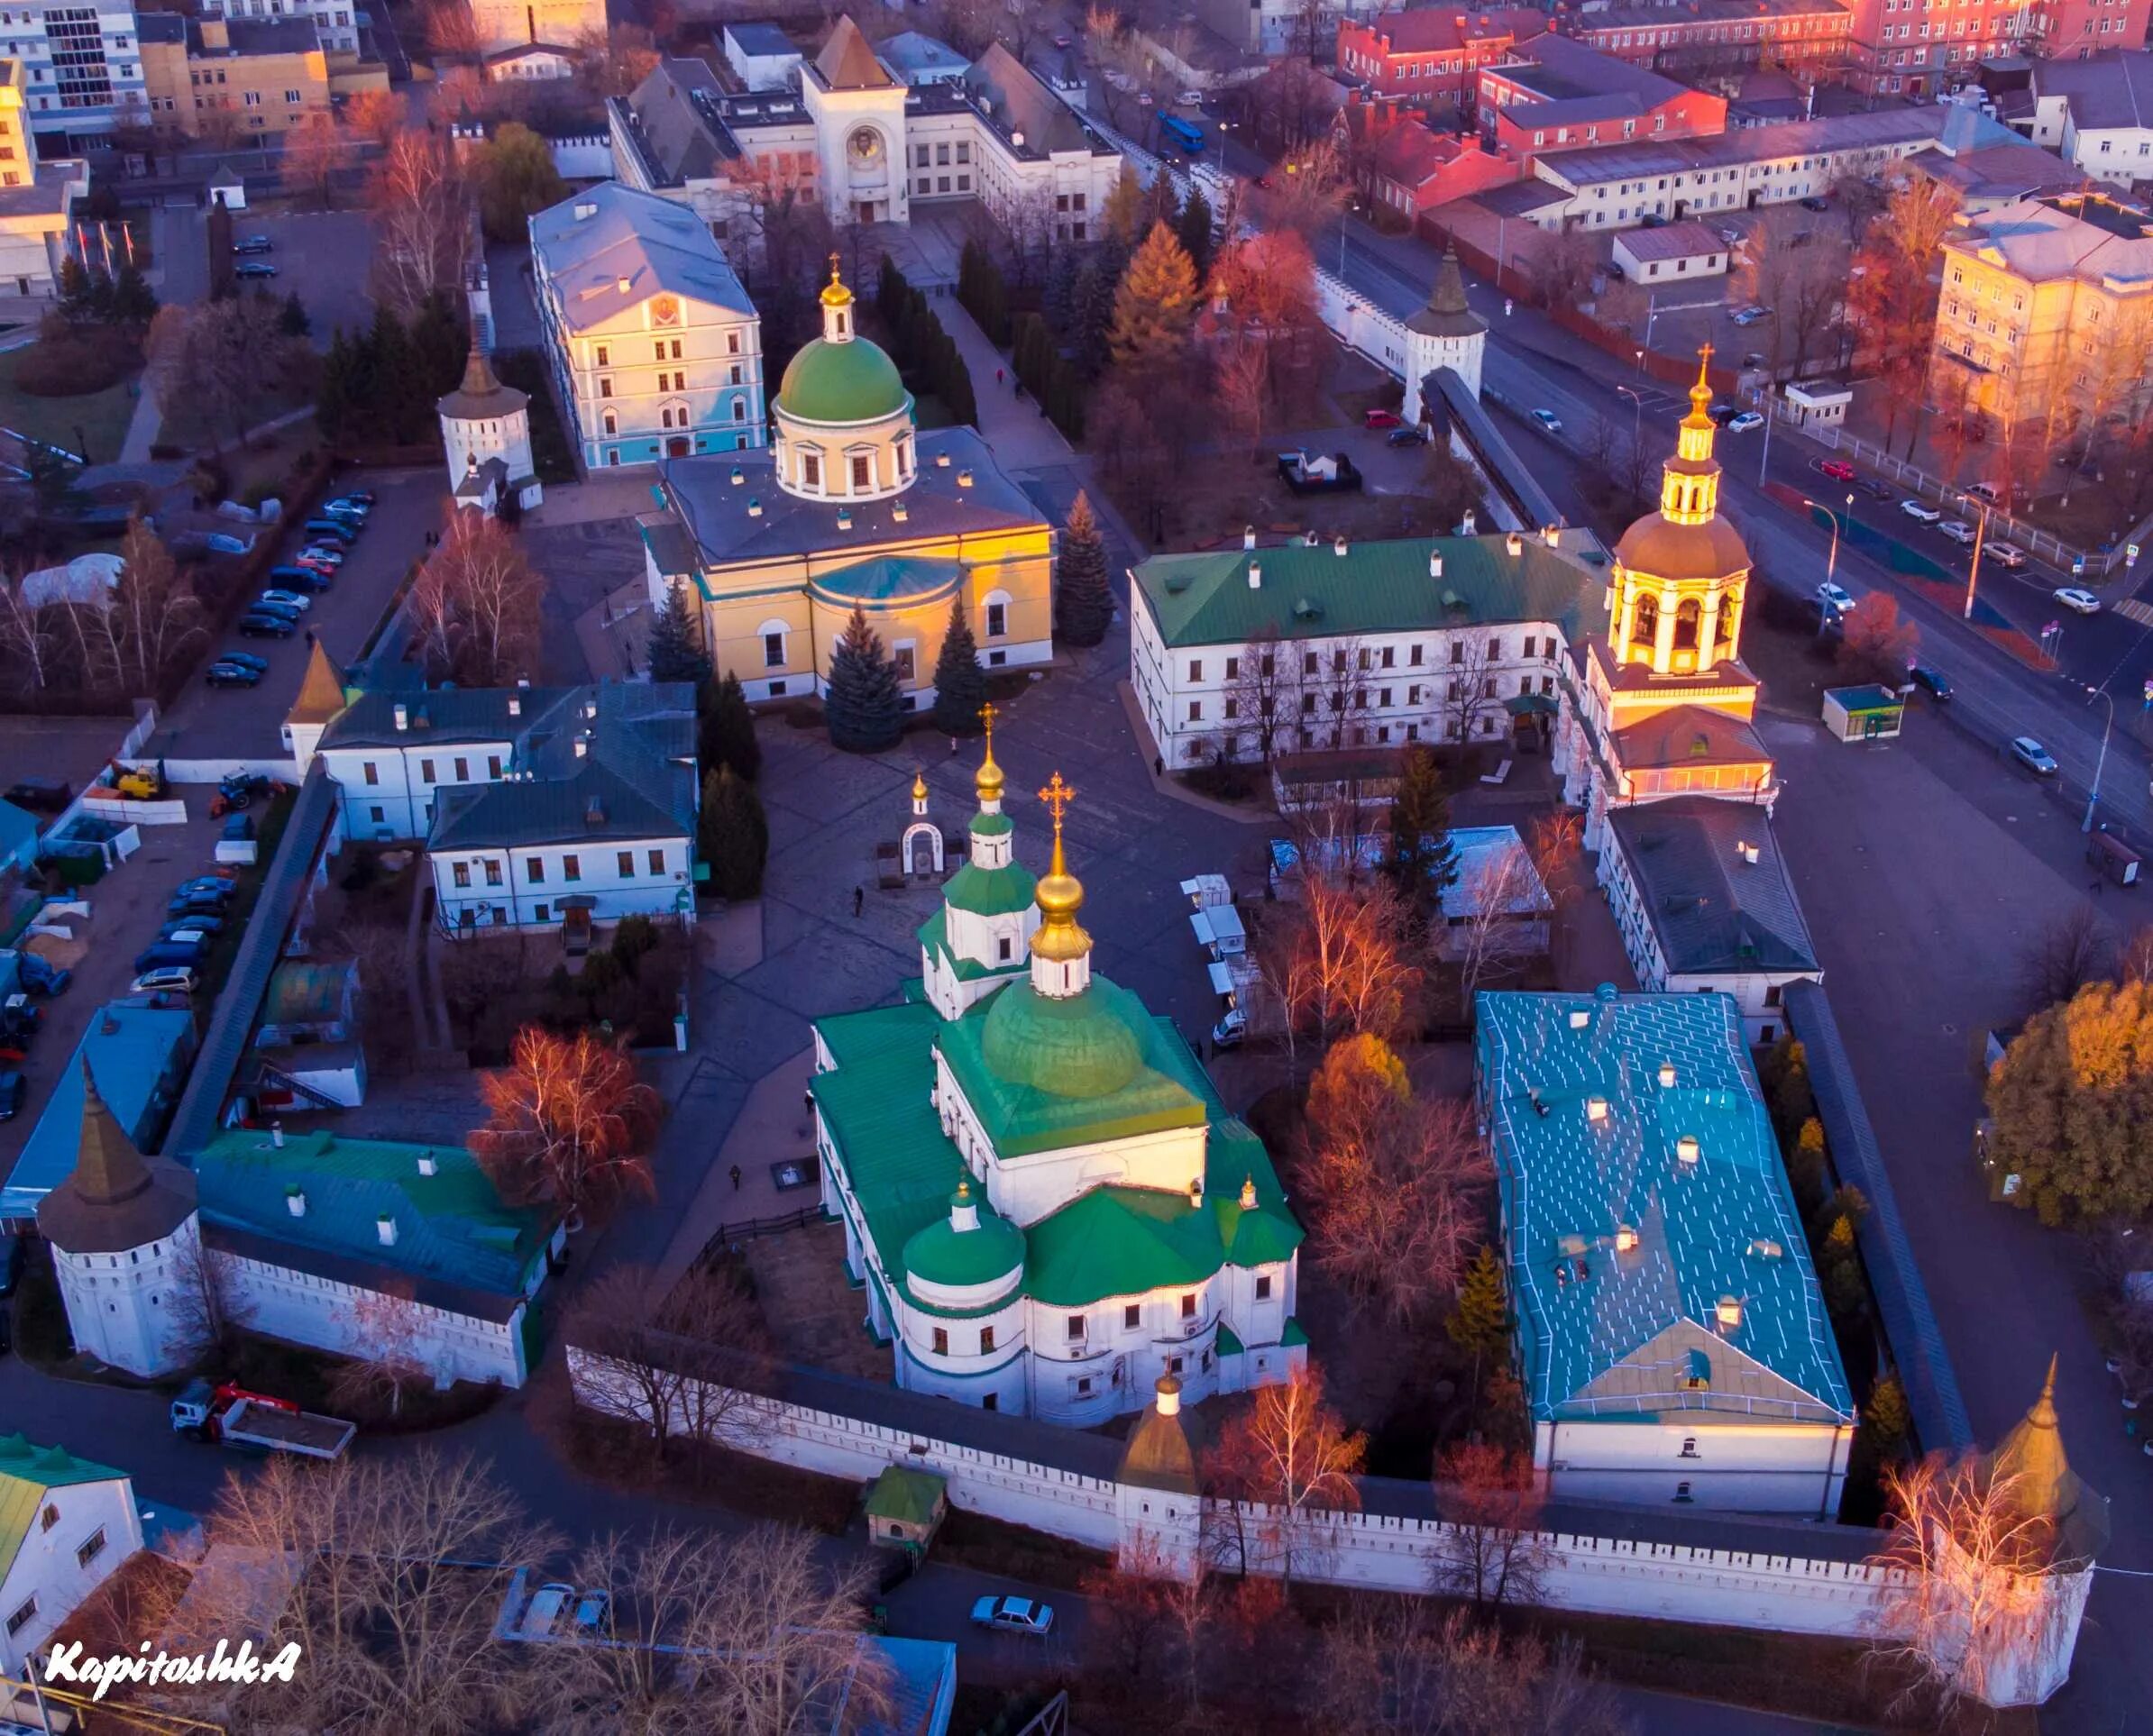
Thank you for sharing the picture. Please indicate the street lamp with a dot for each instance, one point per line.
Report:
(2093, 795)
(1639, 361)
(1831, 560)
(1636, 436)
(1981, 531)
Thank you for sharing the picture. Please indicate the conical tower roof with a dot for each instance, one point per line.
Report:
(2043, 1485)
(1160, 1452)
(847, 60)
(115, 1199)
(481, 397)
(321, 694)
(1448, 313)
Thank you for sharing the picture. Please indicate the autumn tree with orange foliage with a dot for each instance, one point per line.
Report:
(1497, 1554)
(569, 1124)
(1336, 959)
(475, 606)
(1293, 1456)
(1876, 642)
(1395, 1181)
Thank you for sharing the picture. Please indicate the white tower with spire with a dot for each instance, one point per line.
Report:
(982, 935)
(1446, 333)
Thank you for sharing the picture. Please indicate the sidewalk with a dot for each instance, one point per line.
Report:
(773, 1124)
(1021, 437)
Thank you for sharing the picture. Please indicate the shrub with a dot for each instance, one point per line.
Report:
(72, 367)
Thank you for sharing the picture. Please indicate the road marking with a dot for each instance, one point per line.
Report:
(2132, 610)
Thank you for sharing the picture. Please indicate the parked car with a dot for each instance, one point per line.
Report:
(287, 599)
(1549, 421)
(1814, 203)
(348, 503)
(365, 497)
(186, 910)
(1380, 419)
(1837, 469)
(167, 979)
(1413, 436)
(2032, 755)
(1014, 1614)
(1958, 530)
(2005, 555)
(204, 926)
(184, 932)
(302, 578)
(1931, 682)
(1986, 491)
(1921, 511)
(253, 244)
(1874, 489)
(2072, 597)
(205, 886)
(219, 542)
(1834, 599)
(246, 660)
(11, 1267)
(1750, 316)
(159, 954)
(324, 554)
(339, 533)
(1744, 423)
(260, 624)
(254, 268)
(41, 795)
(222, 673)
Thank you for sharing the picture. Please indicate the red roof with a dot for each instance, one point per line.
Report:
(1433, 27)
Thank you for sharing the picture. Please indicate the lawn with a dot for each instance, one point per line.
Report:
(98, 419)
(187, 428)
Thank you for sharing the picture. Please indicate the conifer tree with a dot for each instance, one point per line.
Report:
(133, 302)
(333, 397)
(1082, 604)
(1193, 229)
(864, 708)
(725, 729)
(1091, 314)
(1057, 301)
(676, 651)
(732, 835)
(1420, 860)
(1885, 1417)
(293, 321)
(1154, 306)
(960, 686)
(1479, 1324)
(1118, 215)
(394, 386)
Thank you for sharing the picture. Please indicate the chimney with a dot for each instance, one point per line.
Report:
(385, 1228)
(1580, 1019)
(1728, 1313)
(1687, 1151)
(1470, 525)
(515, 705)
(964, 478)
(1552, 534)
(523, 680)
(1626, 1238)
(428, 1164)
(1248, 1194)
(402, 716)
(1749, 853)
(1513, 545)
(1435, 563)
(590, 708)
(1195, 1191)
(277, 1135)
(1017, 139)
(899, 511)
(755, 507)
(739, 475)
(583, 746)
(1667, 1075)
(621, 284)
(586, 211)
(1248, 536)
(843, 517)
(295, 1201)
(1596, 1109)
(1337, 545)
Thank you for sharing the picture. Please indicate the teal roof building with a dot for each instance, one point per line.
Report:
(1671, 1335)
(1045, 1202)
(141, 1054)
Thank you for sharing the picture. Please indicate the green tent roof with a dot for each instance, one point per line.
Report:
(26, 1472)
(990, 892)
(907, 1495)
(943, 1254)
(854, 381)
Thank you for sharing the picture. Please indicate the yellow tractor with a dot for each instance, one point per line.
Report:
(140, 783)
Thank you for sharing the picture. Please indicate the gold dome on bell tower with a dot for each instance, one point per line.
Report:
(1059, 894)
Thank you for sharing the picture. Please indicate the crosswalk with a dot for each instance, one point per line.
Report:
(2133, 608)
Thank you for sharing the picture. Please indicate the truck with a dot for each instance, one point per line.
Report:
(1310, 473)
(256, 1422)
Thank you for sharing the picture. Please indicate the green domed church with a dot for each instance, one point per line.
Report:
(1047, 1204)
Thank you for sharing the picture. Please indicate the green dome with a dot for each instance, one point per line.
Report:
(1087, 1044)
(959, 1258)
(854, 381)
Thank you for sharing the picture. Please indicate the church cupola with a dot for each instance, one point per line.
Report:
(1689, 481)
(837, 307)
(992, 834)
(1061, 951)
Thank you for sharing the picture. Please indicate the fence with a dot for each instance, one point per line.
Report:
(748, 1229)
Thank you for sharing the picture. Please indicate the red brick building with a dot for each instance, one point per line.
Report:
(1707, 38)
(1432, 56)
(1899, 48)
(1553, 93)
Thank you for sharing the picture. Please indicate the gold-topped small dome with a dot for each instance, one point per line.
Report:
(834, 292)
(1059, 894)
(988, 779)
(918, 786)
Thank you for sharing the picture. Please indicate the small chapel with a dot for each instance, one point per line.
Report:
(1047, 1204)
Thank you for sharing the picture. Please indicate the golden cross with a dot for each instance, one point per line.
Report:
(833, 267)
(987, 713)
(1704, 359)
(1058, 795)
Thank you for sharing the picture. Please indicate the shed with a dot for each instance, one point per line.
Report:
(1814, 403)
(1219, 930)
(226, 185)
(1863, 714)
(905, 1506)
(1674, 252)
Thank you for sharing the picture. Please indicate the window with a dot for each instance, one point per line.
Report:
(658, 862)
(941, 1340)
(1195, 711)
(1133, 1315)
(493, 874)
(810, 471)
(862, 473)
(1188, 1305)
(986, 1340)
(93, 1545)
(425, 771)
(572, 867)
(991, 1400)
(964, 152)
(732, 343)
(25, 1613)
(1233, 669)
(1076, 1327)
(611, 424)
(1681, 1492)
(604, 357)
(534, 870)
(605, 386)
(461, 874)
(1689, 1446)
(774, 651)
(370, 771)
(906, 662)
(1083, 1386)
(1004, 950)
(51, 1513)
(1196, 669)
(1495, 651)
(627, 863)
(997, 621)
(493, 765)
(1263, 1286)
(292, 97)
(1457, 651)
(463, 770)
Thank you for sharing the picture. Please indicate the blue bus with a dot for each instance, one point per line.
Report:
(1184, 133)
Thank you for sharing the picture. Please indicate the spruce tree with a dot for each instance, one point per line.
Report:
(293, 321)
(1082, 604)
(865, 709)
(1154, 306)
(732, 835)
(676, 651)
(1885, 1417)
(1058, 300)
(1194, 230)
(133, 302)
(394, 390)
(960, 686)
(74, 288)
(1479, 1324)
(725, 729)
(1091, 314)
(1420, 860)
(440, 346)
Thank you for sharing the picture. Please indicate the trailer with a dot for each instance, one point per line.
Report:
(1219, 930)
(1206, 891)
(1309, 473)
(256, 1422)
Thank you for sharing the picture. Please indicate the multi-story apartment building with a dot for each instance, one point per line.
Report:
(1919, 47)
(336, 20)
(212, 77)
(656, 351)
(1551, 95)
(505, 23)
(1432, 56)
(37, 198)
(2096, 113)
(2047, 312)
(82, 70)
(1699, 39)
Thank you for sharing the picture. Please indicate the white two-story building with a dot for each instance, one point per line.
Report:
(656, 349)
(69, 1525)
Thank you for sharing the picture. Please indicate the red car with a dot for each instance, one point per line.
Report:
(1837, 469)
(1383, 419)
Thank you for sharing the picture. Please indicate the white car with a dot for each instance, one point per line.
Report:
(2083, 601)
(287, 599)
(1957, 530)
(1833, 599)
(324, 554)
(1744, 423)
(1549, 421)
(1920, 510)
(167, 979)
(1014, 1614)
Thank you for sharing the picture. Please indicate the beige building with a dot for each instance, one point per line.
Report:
(36, 200)
(508, 24)
(208, 77)
(2046, 310)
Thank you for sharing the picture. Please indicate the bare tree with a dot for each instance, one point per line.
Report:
(613, 61)
(476, 603)
(390, 1360)
(1398, 1666)
(1497, 918)
(29, 646)
(1308, 192)
(1469, 695)
(1561, 269)
(2071, 950)
(207, 1307)
(451, 29)
(422, 225)
(1293, 1455)
(1494, 1553)
(314, 151)
(1336, 959)
(1259, 686)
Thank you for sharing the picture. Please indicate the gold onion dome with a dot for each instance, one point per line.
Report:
(834, 292)
(988, 779)
(918, 785)
(1059, 894)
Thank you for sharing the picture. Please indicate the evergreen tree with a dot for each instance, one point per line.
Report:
(1154, 306)
(293, 321)
(1195, 232)
(133, 302)
(864, 708)
(98, 304)
(960, 686)
(393, 387)
(674, 652)
(440, 347)
(955, 387)
(1057, 301)
(74, 289)
(1124, 204)
(1479, 1324)
(1420, 860)
(731, 835)
(725, 729)
(333, 397)
(889, 288)
(1885, 1419)
(1082, 604)
(1091, 315)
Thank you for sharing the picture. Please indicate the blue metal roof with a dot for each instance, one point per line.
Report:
(130, 1050)
(1623, 1250)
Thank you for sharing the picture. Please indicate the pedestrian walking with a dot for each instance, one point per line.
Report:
(310, 638)
(997, 376)
(736, 1175)
(953, 744)
(1158, 765)
(859, 898)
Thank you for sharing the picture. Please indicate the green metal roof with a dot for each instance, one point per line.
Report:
(943, 1254)
(26, 1472)
(1120, 1241)
(1314, 592)
(990, 892)
(1617, 1338)
(891, 578)
(934, 935)
(991, 826)
(854, 381)
(909, 1496)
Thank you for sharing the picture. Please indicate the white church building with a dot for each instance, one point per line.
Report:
(1046, 1203)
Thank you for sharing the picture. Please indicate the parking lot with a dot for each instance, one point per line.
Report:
(246, 723)
(322, 254)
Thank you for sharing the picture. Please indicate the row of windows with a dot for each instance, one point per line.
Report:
(941, 155)
(1378, 657)
(670, 416)
(371, 772)
(1382, 699)
(921, 187)
(572, 868)
(667, 350)
(734, 375)
(902, 655)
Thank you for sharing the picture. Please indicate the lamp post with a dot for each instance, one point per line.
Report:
(2093, 795)
(1636, 435)
(1981, 531)
(1831, 560)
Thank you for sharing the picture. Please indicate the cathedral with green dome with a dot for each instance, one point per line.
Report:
(1046, 1205)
